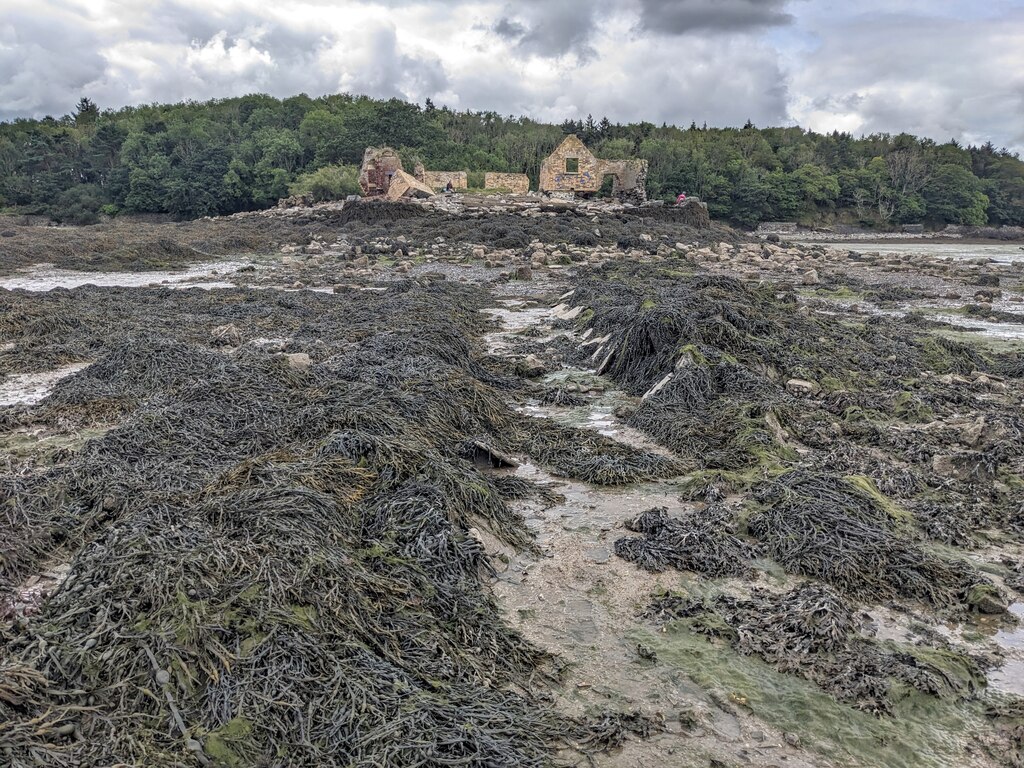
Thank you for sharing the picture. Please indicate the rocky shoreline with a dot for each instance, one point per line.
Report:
(602, 484)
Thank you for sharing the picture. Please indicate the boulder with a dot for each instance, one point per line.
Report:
(298, 361)
(985, 598)
(967, 466)
(530, 367)
(801, 387)
(226, 336)
(973, 433)
(810, 277)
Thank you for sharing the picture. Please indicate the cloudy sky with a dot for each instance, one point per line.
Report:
(941, 68)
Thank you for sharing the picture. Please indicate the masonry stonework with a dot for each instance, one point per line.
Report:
(379, 166)
(440, 179)
(572, 168)
(516, 183)
(406, 185)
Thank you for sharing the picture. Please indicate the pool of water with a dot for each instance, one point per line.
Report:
(1005, 253)
(985, 328)
(45, 277)
(29, 388)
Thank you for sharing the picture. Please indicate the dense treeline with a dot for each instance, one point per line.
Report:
(196, 159)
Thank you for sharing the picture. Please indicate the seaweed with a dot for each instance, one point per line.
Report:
(812, 632)
(272, 560)
(846, 533)
(703, 541)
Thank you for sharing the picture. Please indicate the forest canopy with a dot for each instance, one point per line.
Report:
(218, 157)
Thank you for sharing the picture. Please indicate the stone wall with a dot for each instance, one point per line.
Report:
(554, 173)
(440, 179)
(516, 183)
(777, 227)
(629, 176)
(405, 185)
(379, 166)
(629, 179)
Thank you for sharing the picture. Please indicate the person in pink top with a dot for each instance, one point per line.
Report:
(681, 199)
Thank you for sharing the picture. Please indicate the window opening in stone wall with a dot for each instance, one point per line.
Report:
(572, 165)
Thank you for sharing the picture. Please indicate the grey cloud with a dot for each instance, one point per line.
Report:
(725, 85)
(603, 57)
(676, 17)
(390, 73)
(550, 29)
(947, 80)
(175, 51)
(171, 20)
(45, 63)
(510, 30)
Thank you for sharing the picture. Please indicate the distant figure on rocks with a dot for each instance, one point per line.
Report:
(681, 199)
(449, 188)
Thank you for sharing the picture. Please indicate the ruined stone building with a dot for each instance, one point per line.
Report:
(572, 169)
(382, 175)
(379, 166)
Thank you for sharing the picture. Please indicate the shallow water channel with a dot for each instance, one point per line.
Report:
(579, 601)
(1005, 253)
(30, 388)
(46, 277)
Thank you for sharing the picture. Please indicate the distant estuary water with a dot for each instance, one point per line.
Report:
(1005, 253)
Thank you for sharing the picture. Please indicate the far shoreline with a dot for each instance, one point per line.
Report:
(938, 240)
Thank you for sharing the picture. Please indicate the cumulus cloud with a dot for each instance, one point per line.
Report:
(878, 65)
(46, 62)
(676, 17)
(510, 30)
(548, 29)
(721, 82)
(944, 80)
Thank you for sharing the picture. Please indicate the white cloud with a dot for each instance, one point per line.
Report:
(934, 77)
(899, 65)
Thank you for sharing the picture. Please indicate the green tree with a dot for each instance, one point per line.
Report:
(750, 195)
(148, 184)
(954, 196)
(234, 154)
(86, 113)
(332, 182)
(324, 135)
(818, 189)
